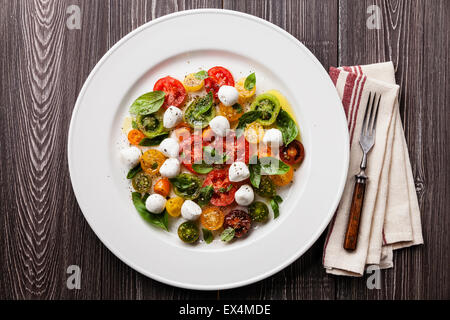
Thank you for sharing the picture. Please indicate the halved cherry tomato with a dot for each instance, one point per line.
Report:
(212, 218)
(236, 148)
(254, 133)
(264, 150)
(232, 113)
(224, 190)
(218, 76)
(192, 83)
(135, 137)
(244, 94)
(151, 161)
(293, 153)
(208, 136)
(182, 131)
(162, 186)
(173, 206)
(283, 179)
(240, 221)
(174, 89)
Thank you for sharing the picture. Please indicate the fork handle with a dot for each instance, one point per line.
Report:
(351, 236)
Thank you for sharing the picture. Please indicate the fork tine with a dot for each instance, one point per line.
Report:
(374, 125)
(372, 115)
(364, 125)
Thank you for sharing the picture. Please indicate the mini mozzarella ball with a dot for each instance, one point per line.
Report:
(170, 168)
(244, 196)
(228, 95)
(220, 125)
(172, 117)
(238, 172)
(170, 147)
(130, 156)
(155, 203)
(190, 210)
(273, 137)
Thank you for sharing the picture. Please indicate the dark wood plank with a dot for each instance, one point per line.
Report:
(414, 37)
(315, 24)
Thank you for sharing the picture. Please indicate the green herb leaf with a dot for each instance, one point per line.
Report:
(227, 189)
(207, 236)
(272, 166)
(255, 171)
(155, 141)
(278, 199)
(287, 127)
(157, 220)
(275, 208)
(203, 104)
(134, 124)
(134, 171)
(148, 103)
(237, 107)
(227, 234)
(250, 82)
(202, 168)
(201, 75)
(186, 185)
(205, 196)
(247, 118)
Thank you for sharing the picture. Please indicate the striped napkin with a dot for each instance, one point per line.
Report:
(390, 218)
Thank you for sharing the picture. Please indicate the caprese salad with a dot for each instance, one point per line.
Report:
(211, 152)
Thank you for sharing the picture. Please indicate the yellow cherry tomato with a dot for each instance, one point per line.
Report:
(244, 94)
(232, 113)
(212, 218)
(283, 179)
(192, 83)
(254, 133)
(151, 161)
(173, 206)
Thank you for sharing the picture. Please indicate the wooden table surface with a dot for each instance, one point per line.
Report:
(44, 65)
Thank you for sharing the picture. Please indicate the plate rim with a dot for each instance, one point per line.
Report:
(191, 286)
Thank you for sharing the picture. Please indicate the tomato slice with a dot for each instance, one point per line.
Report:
(218, 76)
(174, 89)
(236, 148)
(293, 153)
(224, 190)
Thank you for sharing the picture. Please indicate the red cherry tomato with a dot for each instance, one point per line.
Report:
(218, 76)
(293, 153)
(191, 150)
(236, 148)
(224, 190)
(174, 89)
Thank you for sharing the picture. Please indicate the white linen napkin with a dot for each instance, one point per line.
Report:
(391, 218)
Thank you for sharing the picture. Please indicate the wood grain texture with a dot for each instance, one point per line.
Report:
(44, 65)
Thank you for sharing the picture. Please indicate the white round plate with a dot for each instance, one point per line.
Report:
(175, 45)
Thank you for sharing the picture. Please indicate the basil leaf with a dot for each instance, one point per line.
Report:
(155, 141)
(227, 234)
(203, 104)
(134, 171)
(272, 166)
(227, 189)
(134, 124)
(287, 127)
(157, 220)
(201, 75)
(250, 82)
(202, 168)
(247, 118)
(255, 171)
(148, 103)
(205, 195)
(278, 199)
(275, 208)
(207, 236)
(237, 107)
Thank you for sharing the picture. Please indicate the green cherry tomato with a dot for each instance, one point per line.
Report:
(186, 186)
(258, 211)
(151, 124)
(200, 112)
(188, 232)
(266, 188)
(269, 105)
(142, 182)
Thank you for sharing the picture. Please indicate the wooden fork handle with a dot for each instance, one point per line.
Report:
(351, 236)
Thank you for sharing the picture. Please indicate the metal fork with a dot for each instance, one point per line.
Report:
(367, 140)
